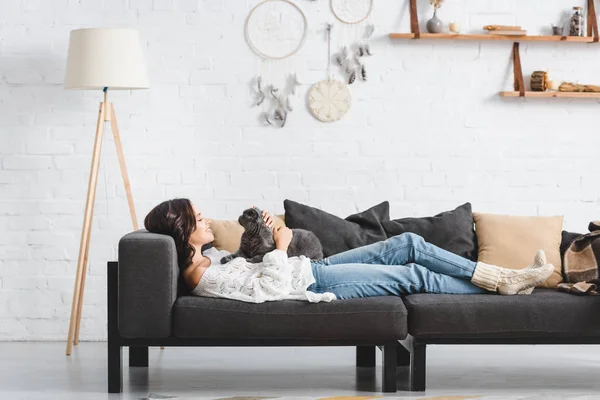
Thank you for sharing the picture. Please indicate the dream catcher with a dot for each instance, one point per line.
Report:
(275, 30)
(353, 38)
(329, 100)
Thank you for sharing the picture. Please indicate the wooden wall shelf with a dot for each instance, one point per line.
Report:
(593, 36)
(482, 37)
(572, 95)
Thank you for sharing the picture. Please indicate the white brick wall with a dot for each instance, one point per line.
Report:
(427, 132)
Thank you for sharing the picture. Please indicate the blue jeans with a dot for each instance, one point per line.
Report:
(400, 265)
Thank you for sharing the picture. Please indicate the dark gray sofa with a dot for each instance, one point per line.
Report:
(148, 306)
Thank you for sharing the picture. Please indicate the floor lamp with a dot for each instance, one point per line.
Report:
(101, 59)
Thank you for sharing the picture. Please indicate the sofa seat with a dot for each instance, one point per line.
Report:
(373, 318)
(545, 313)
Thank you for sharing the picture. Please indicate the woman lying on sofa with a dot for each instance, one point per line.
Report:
(400, 265)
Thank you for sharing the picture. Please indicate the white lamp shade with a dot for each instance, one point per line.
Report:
(105, 57)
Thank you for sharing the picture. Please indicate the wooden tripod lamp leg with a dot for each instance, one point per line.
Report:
(109, 115)
(115, 131)
(106, 117)
(81, 292)
(86, 230)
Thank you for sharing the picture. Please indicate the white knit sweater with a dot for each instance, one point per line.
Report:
(277, 277)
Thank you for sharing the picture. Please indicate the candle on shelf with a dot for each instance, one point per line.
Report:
(454, 27)
(553, 85)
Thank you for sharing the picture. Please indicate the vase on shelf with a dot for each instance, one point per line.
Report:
(435, 25)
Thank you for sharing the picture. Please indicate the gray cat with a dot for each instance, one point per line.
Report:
(257, 240)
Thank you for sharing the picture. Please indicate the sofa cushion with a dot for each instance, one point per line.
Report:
(511, 241)
(369, 318)
(337, 234)
(545, 312)
(451, 230)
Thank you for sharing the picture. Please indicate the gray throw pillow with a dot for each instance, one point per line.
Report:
(451, 230)
(337, 234)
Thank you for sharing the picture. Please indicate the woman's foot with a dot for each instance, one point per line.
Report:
(538, 261)
(508, 281)
(523, 281)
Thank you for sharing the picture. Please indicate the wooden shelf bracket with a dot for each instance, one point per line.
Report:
(518, 71)
(592, 21)
(414, 19)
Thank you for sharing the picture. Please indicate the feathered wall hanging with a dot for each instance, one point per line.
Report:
(353, 61)
(275, 30)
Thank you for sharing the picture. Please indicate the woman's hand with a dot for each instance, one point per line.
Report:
(267, 218)
(283, 237)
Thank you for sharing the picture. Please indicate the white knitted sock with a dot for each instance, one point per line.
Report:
(539, 260)
(486, 276)
(525, 284)
(515, 281)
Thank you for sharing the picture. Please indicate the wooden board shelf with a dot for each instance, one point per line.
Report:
(593, 36)
(572, 95)
(482, 37)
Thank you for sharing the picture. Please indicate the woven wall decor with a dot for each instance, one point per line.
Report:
(329, 100)
(351, 11)
(276, 29)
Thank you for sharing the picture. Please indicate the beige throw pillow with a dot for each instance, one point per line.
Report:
(511, 241)
(229, 233)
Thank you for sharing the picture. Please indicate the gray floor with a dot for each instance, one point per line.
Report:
(42, 371)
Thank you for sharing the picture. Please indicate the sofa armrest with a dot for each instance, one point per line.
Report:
(148, 274)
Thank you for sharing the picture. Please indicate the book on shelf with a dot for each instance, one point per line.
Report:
(502, 28)
(508, 32)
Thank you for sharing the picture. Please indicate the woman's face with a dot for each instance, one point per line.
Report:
(203, 234)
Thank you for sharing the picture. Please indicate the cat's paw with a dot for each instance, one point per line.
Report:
(255, 259)
(226, 259)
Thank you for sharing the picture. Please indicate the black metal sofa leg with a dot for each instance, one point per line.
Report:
(138, 356)
(115, 350)
(115, 368)
(388, 376)
(403, 356)
(418, 368)
(365, 356)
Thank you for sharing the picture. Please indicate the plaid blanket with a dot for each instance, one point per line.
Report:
(581, 261)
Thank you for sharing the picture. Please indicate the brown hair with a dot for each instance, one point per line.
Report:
(175, 218)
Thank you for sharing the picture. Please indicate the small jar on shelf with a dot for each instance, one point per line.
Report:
(577, 24)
